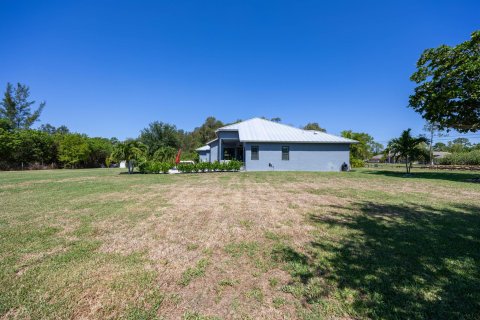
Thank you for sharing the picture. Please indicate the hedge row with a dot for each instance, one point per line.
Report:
(232, 165)
(471, 158)
(153, 166)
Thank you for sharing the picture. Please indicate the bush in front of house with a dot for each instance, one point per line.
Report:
(471, 158)
(154, 166)
(232, 165)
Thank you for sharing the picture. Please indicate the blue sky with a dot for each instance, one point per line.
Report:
(108, 68)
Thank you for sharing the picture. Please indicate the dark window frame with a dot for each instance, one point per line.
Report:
(286, 155)
(257, 153)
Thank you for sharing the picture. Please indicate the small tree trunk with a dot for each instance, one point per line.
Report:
(130, 169)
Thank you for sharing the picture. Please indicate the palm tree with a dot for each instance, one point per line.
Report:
(129, 151)
(407, 147)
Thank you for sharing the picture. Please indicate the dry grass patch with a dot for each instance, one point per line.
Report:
(231, 245)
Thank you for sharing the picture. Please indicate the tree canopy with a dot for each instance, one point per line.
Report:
(314, 126)
(448, 91)
(17, 109)
(159, 135)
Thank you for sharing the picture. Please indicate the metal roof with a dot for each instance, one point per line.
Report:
(261, 130)
(204, 148)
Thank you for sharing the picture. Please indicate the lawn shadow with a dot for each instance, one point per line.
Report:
(405, 261)
(435, 175)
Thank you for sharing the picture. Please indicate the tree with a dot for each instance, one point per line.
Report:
(314, 126)
(276, 119)
(129, 151)
(459, 145)
(407, 147)
(361, 150)
(165, 154)
(433, 129)
(100, 150)
(73, 149)
(158, 135)
(21, 148)
(206, 132)
(448, 91)
(440, 146)
(48, 128)
(16, 108)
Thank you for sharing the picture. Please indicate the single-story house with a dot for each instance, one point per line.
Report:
(264, 145)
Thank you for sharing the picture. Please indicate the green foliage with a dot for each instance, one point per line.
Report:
(100, 150)
(129, 151)
(448, 91)
(206, 131)
(73, 149)
(314, 126)
(16, 108)
(471, 158)
(48, 128)
(357, 163)
(165, 154)
(38, 148)
(365, 148)
(159, 135)
(23, 147)
(154, 166)
(232, 165)
(407, 147)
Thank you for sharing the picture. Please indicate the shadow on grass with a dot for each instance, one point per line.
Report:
(436, 175)
(404, 262)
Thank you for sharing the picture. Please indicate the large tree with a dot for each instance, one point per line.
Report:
(364, 148)
(159, 135)
(17, 109)
(206, 131)
(448, 91)
(73, 149)
(407, 147)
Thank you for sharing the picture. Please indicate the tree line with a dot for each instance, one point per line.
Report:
(48, 146)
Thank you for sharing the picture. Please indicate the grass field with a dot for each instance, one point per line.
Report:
(365, 244)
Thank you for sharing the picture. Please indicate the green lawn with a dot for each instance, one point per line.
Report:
(366, 244)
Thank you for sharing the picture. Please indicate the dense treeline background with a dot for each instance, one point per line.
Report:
(47, 146)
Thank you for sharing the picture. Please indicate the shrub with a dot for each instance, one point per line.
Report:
(153, 166)
(357, 163)
(232, 165)
(216, 166)
(185, 167)
(471, 158)
(235, 165)
(165, 166)
(203, 166)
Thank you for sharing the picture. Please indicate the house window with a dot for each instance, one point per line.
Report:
(285, 153)
(255, 153)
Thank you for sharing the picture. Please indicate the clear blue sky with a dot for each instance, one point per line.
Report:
(108, 68)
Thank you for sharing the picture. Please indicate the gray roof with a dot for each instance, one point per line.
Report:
(261, 130)
(204, 148)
